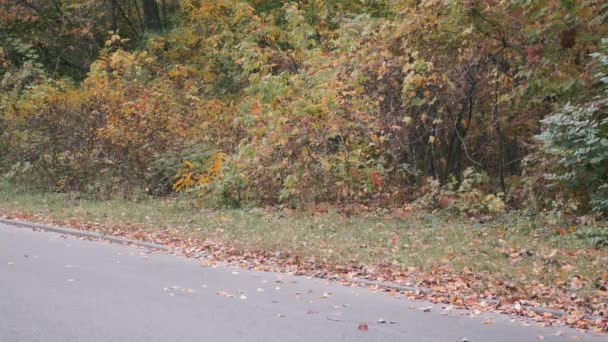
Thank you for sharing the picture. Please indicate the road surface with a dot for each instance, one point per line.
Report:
(56, 288)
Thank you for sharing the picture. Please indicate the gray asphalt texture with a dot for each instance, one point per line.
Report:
(56, 288)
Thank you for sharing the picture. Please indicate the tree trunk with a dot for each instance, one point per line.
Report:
(151, 15)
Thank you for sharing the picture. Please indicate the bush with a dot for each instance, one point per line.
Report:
(104, 135)
(469, 197)
(576, 140)
(309, 101)
(51, 129)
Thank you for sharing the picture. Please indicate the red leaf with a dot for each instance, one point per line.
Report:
(376, 178)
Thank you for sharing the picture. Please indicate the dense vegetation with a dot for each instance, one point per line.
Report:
(475, 106)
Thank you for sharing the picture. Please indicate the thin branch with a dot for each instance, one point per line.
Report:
(464, 148)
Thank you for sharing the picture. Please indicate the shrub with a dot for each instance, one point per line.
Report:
(468, 197)
(576, 139)
(311, 101)
(105, 134)
(52, 129)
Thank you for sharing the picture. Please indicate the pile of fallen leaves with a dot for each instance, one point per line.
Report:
(548, 304)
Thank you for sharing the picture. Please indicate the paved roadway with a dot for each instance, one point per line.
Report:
(56, 288)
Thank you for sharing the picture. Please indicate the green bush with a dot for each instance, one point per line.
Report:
(576, 138)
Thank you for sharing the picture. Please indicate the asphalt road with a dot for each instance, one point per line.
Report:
(56, 288)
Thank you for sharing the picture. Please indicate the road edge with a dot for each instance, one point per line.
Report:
(84, 234)
(125, 241)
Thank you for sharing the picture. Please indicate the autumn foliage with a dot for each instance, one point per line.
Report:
(275, 102)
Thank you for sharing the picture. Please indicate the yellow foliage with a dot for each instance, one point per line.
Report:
(188, 177)
(217, 9)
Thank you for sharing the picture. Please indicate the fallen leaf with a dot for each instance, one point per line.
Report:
(224, 294)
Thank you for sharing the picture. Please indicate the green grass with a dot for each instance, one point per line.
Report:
(511, 248)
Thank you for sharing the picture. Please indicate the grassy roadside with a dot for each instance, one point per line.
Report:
(511, 258)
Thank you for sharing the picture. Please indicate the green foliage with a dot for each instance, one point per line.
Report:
(67, 35)
(576, 140)
(230, 190)
(596, 237)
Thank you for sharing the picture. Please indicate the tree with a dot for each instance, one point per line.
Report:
(151, 15)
